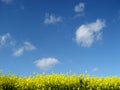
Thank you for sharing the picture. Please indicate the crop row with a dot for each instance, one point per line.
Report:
(58, 82)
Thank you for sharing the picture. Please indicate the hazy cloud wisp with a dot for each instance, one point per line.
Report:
(7, 1)
(6, 40)
(51, 19)
(79, 9)
(27, 46)
(95, 69)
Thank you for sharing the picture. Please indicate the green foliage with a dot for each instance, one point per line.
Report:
(58, 82)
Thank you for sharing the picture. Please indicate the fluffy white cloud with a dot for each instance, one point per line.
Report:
(7, 1)
(51, 19)
(27, 46)
(79, 8)
(86, 34)
(46, 63)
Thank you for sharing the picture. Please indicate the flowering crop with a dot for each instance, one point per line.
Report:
(58, 82)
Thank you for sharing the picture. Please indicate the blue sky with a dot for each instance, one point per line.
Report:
(59, 36)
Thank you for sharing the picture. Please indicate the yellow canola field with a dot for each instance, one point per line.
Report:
(58, 82)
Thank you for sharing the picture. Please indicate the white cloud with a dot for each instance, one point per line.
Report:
(27, 46)
(79, 8)
(86, 34)
(46, 63)
(7, 1)
(19, 51)
(51, 19)
(5, 40)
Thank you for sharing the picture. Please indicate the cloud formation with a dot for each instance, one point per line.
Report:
(18, 52)
(79, 8)
(6, 40)
(27, 46)
(87, 34)
(7, 1)
(51, 19)
(46, 63)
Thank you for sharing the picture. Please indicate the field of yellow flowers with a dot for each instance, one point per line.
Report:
(58, 82)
